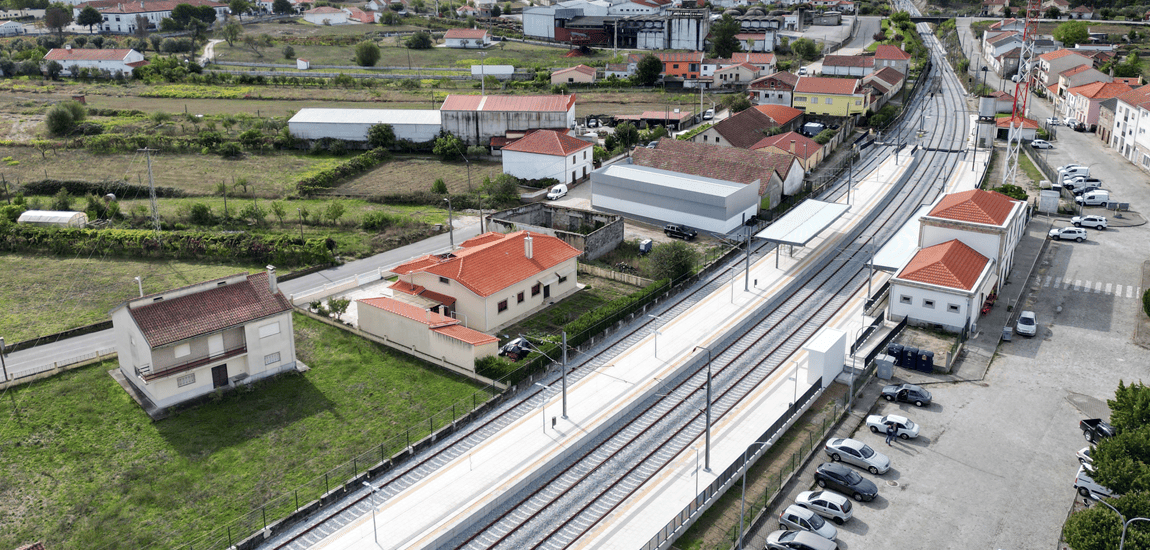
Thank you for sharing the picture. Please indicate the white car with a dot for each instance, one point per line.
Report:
(1041, 144)
(1053, 121)
(1026, 325)
(827, 504)
(903, 427)
(797, 518)
(1088, 487)
(1085, 458)
(1071, 165)
(709, 114)
(853, 451)
(1068, 233)
(1093, 221)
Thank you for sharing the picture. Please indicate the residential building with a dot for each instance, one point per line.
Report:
(829, 96)
(1105, 131)
(848, 65)
(1073, 78)
(672, 119)
(1082, 12)
(493, 280)
(992, 8)
(110, 61)
(1003, 102)
(894, 57)
(996, 44)
(177, 345)
(1131, 122)
(120, 17)
(1010, 24)
(1083, 102)
(325, 15)
(776, 174)
(423, 333)
(682, 65)
(467, 38)
(618, 70)
(546, 154)
(774, 89)
(1006, 64)
(1062, 5)
(944, 285)
(477, 118)
(579, 74)
(989, 222)
(748, 127)
(357, 15)
(756, 41)
(765, 62)
(808, 151)
(1052, 63)
(886, 84)
(739, 75)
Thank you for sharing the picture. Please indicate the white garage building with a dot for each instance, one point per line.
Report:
(352, 124)
(707, 204)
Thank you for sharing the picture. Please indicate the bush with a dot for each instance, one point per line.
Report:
(332, 177)
(201, 214)
(380, 221)
(230, 149)
(63, 117)
(366, 54)
(289, 52)
(439, 187)
(1146, 301)
(1013, 191)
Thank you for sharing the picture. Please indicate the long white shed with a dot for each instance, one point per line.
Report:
(53, 218)
(352, 124)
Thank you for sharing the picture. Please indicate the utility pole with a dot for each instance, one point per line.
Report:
(747, 278)
(450, 229)
(564, 374)
(2, 363)
(152, 192)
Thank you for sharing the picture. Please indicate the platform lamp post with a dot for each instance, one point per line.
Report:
(657, 319)
(562, 366)
(707, 450)
(543, 405)
(374, 526)
(140, 283)
(743, 505)
(450, 227)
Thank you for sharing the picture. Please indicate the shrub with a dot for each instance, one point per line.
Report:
(380, 221)
(439, 187)
(230, 149)
(289, 52)
(201, 214)
(255, 213)
(366, 54)
(1146, 301)
(62, 200)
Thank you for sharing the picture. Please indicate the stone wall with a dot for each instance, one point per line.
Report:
(565, 224)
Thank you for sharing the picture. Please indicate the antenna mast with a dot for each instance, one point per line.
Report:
(1021, 91)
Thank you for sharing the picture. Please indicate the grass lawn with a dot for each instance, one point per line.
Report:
(551, 320)
(413, 173)
(84, 467)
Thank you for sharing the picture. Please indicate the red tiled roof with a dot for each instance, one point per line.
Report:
(415, 313)
(466, 335)
(848, 61)
(1003, 23)
(323, 9)
(1000, 37)
(577, 69)
(782, 76)
(1100, 90)
(1075, 70)
(746, 66)
(751, 36)
(417, 290)
(1004, 122)
(951, 264)
(211, 310)
(548, 142)
(509, 103)
(466, 34)
(889, 75)
(975, 206)
(753, 57)
(669, 57)
(1138, 97)
(360, 15)
(76, 54)
(714, 161)
(999, 94)
(495, 265)
(802, 147)
(781, 114)
(746, 128)
(122, 6)
(886, 51)
(1056, 54)
(826, 85)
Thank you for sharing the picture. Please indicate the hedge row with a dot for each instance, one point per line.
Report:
(75, 188)
(332, 177)
(134, 243)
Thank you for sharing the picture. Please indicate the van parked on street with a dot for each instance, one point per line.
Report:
(1098, 197)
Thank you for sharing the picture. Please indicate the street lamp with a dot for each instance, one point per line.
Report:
(1125, 522)
(2, 363)
(543, 405)
(743, 505)
(374, 527)
(982, 80)
(140, 283)
(796, 397)
(657, 319)
(450, 228)
(707, 451)
(562, 366)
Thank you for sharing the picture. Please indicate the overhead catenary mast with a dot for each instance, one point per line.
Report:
(1021, 91)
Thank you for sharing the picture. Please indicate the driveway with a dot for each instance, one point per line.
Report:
(209, 52)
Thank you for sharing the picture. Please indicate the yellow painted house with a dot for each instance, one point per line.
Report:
(819, 95)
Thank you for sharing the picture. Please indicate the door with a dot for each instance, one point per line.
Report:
(546, 291)
(220, 376)
(215, 345)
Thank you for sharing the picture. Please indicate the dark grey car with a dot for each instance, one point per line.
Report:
(838, 477)
(907, 393)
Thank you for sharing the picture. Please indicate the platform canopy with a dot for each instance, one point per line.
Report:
(803, 222)
(895, 254)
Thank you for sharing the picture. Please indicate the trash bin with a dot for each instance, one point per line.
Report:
(926, 361)
(884, 367)
(1007, 333)
(910, 358)
(895, 352)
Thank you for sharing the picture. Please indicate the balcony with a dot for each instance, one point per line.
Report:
(194, 363)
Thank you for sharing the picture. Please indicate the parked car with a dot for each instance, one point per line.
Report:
(1095, 429)
(1071, 165)
(592, 122)
(516, 349)
(1053, 121)
(1092, 221)
(679, 232)
(801, 519)
(853, 451)
(907, 393)
(798, 540)
(1041, 144)
(903, 427)
(802, 71)
(1026, 325)
(840, 478)
(1068, 233)
(1088, 187)
(1098, 197)
(827, 504)
(557, 192)
(1086, 458)
(709, 114)
(1089, 488)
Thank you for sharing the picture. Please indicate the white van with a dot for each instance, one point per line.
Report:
(1072, 172)
(557, 192)
(1097, 197)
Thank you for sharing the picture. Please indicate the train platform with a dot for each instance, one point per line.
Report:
(443, 504)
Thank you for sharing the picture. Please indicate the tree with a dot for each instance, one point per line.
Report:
(282, 6)
(1099, 528)
(239, 8)
(381, 135)
(1130, 408)
(389, 18)
(806, 48)
(439, 187)
(1072, 32)
(232, 31)
(648, 69)
(899, 17)
(673, 260)
(338, 306)
(140, 29)
(736, 102)
(1007, 11)
(366, 54)
(63, 117)
(627, 134)
(53, 69)
(253, 44)
(495, 11)
(184, 14)
(335, 211)
(289, 52)
(57, 17)
(419, 41)
(279, 210)
(89, 17)
(448, 146)
(1053, 12)
(723, 38)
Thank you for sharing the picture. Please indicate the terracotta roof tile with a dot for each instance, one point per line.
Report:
(497, 264)
(889, 75)
(1056, 54)
(848, 61)
(1004, 122)
(466, 335)
(714, 161)
(746, 128)
(826, 85)
(1075, 70)
(783, 77)
(548, 142)
(79, 54)
(951, 264)
(1138, 97)
(323, 9)
(803, 146)
(999, 94)
(122, 6)
(465, 34)
(578, 69)
(1100, 90)
(753, 57)
(976, 206)
(415, 313)
(781, 114)
(417, 290)
(211, 310)
(509, 103)
(886, 51)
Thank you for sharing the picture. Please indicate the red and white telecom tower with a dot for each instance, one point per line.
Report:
(1021, 91)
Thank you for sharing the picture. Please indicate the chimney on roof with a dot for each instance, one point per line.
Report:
(792, 146)
(272, 279)
(527, 247)
(68, 47)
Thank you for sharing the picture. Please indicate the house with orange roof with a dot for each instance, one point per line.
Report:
(848, 65)
(1050, 64)
(467, 38)
(1003, 102)
(1082, 12)
(894, 57)
(477, 118)
(944, 285)
(773, 89)
(493, 280)
(545, 154)
(766, 62)
(110, 61)
(181, 344)
(987, 221)
(423, 333)
(1027, 127)
(829, 96)
(1082, 102)
(748, 127)
(808, 151)
(736, 76)
(120, 16)
(579, 74)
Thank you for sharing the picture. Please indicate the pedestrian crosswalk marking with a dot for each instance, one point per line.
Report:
(1093, 287)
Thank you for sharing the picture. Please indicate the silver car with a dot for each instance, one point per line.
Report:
(801, 519)
(798, 540)
(1026, 325)
(827, 504)
(903, 427)
(852, 451)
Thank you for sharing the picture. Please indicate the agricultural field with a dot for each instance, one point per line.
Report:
(86, 468)
(411, 173)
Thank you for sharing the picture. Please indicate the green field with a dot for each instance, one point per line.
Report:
(84, 467)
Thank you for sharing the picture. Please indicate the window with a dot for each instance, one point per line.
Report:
(1146, 160)
(535, 289)
(562, 279)
(952, 308)
(858, 102)
(520, 300)
(676, 65)
(928, 304)
(183, 350)
(584, 155)
(445, 280)
(186, 380)
(904, 299)
(800, 98)
(502, 306)
(269, 330)
(272, 358)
